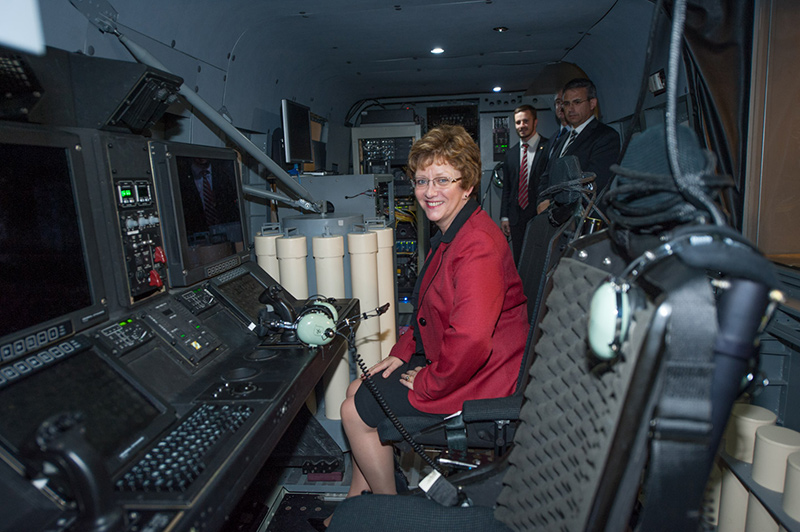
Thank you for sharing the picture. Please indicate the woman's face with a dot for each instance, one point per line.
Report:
(441, 204)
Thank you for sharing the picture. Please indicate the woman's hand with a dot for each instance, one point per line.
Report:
(387, 365)
(407, 378)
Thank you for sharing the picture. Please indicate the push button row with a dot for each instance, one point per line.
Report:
(21, 368)
(33, 341)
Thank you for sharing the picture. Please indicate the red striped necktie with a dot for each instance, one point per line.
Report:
(523, 179)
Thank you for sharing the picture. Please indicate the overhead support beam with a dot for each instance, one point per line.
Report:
(102, 15)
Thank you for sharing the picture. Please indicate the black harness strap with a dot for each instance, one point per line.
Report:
(681, 426)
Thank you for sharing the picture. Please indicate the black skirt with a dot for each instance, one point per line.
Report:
(394, 394)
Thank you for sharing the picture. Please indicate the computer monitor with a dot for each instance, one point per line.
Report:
(297, 145)
(120, 418)
(50, 271)
(200, 199)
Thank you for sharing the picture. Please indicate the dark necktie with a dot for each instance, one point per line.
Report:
(569, 141)
(522, 196)
(554, 142)
(209, 203)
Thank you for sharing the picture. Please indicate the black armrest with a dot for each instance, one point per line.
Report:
(492, 409)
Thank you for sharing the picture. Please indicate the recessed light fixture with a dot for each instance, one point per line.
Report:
(497, 89)
(500, 29)
(437, 50)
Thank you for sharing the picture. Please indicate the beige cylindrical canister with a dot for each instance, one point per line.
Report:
(386, 282)
(773, 446)
(733, 503)
(328, 254)
(267, 254)
(740, 435)
(758, 518)
(292, 253)
(791, 487)
(363, 248)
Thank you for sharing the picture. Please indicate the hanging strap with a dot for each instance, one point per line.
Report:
(681, 426)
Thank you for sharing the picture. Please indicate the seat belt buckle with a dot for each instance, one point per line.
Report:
(441, 490)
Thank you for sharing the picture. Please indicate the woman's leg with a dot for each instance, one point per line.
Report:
(373, 462)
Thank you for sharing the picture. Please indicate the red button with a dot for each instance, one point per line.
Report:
(158, 255)
(155, 279)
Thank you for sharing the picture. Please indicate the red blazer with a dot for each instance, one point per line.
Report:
(472, 318)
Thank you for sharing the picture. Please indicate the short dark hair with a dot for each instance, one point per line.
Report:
(580, 83)
(448, 144)
(525, 107)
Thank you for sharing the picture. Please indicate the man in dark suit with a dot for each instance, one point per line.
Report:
(595, 144)
(563, 127)
(209, 194)
(518, 204)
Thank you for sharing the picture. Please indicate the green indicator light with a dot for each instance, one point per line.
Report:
(122, 324)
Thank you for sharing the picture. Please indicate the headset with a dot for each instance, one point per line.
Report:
(314, 325)
(709, 247)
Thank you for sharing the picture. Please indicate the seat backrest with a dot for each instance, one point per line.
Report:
(542, 248)
(571, 410)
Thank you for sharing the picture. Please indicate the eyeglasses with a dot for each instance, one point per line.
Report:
(576, 102)
(439, 182)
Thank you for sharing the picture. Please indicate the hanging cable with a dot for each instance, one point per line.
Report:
(689, 185)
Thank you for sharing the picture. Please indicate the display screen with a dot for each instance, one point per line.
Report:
(242, 292)
(115, 412)
(211, 211)
(297, 132)
(43, 271)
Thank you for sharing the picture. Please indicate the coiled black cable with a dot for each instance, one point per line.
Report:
(385, 407)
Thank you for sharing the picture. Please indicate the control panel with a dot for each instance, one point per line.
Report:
(138, 218)
(382, 155)
(185, 334)
(196, 300)
(124, 336)
(500, 137)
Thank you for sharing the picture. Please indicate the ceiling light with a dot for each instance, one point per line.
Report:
(497, 89)
(437, 50)
(500, 29)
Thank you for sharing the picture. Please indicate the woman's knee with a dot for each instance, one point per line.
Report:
(348, 410)
(352, 388)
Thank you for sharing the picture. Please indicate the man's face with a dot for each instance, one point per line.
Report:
(525, 124)
(577, 107)
(559, 109)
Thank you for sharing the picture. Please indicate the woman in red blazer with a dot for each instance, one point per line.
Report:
(470, 321)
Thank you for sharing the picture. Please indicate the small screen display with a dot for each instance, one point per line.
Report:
(115, 412)
(242, 292)
(42, 265)
(211, 211)
(297, 132)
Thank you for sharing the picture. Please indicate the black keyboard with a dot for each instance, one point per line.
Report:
(181, 456)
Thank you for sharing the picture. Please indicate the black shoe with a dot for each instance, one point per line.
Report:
(318, 523)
